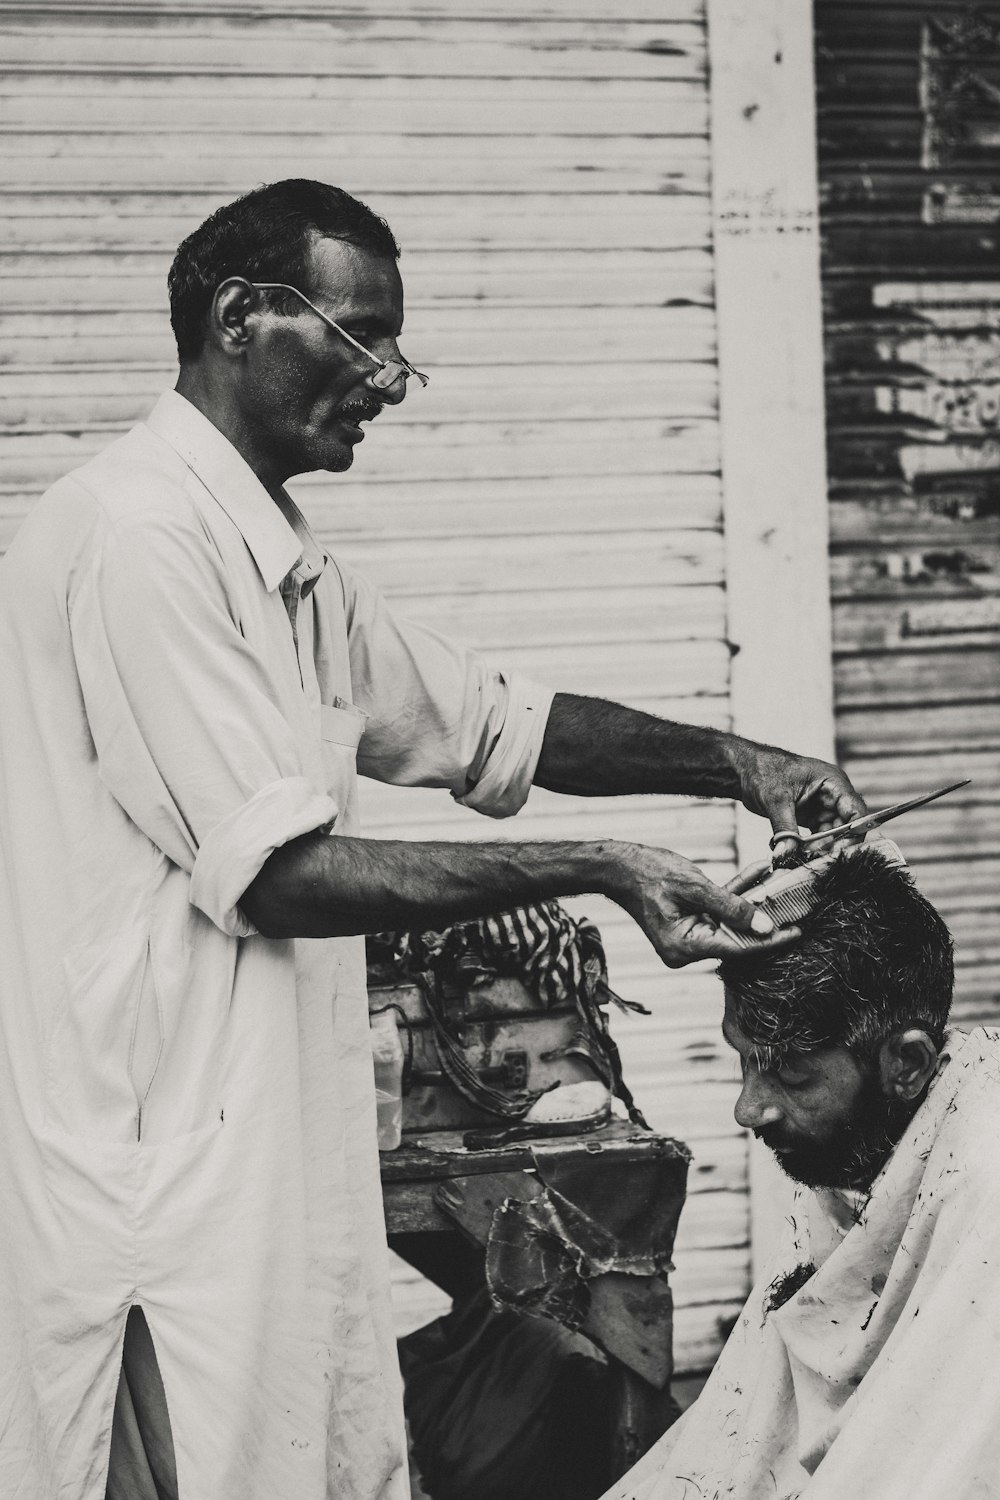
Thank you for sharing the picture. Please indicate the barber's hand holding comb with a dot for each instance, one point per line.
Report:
(679, 908)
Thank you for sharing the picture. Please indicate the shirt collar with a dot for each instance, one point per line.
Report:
(312, 558)
(277, 537)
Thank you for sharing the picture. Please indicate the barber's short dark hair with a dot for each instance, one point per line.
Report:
(874, 958)
(264, 236)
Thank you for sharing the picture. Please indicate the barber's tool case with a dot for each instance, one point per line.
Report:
(509, 1043)
(493, 1014)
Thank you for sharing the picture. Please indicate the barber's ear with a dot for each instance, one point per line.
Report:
(233, 302)
(907, 1062)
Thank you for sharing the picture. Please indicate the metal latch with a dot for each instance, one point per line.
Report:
(510, 1073)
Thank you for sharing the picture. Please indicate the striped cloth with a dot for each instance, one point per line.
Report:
(560, 960)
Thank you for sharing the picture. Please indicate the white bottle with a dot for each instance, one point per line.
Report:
(387, 1052)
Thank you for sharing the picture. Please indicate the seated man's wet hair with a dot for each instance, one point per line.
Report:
(265, 236)
(874, 958)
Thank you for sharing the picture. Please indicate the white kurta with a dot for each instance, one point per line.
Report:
(877, 1379)
(187, 1114)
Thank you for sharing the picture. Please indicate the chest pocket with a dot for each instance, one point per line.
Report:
(341, 728)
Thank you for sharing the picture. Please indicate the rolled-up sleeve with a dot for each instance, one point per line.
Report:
(438, 713)
(235, 850)
(187, 726)
(501, 778)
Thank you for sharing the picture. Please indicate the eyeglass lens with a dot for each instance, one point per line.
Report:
(389, 373)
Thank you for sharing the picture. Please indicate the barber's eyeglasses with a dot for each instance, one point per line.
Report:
(389, 370)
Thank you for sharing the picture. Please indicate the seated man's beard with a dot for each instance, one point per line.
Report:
(853, 1155)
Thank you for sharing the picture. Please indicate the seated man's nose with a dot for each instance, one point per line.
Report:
(755, 1107)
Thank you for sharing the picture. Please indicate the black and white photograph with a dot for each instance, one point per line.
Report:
(500, 750)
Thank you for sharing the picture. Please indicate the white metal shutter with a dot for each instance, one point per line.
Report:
(908, 138)
(553, 497)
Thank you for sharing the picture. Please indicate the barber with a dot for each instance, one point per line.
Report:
(190, 687)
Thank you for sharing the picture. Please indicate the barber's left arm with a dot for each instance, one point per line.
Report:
(596, 748)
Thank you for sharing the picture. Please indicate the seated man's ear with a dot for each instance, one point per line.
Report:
(907, 1062)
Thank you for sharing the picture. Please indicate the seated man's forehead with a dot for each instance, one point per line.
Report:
(767, 1053)
(733, 1032)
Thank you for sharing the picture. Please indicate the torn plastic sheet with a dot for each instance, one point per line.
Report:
(591, 1216)
(531, 1264)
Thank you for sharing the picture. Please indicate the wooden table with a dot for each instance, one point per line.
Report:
(622, 1188)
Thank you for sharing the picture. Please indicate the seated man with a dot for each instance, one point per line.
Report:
(865, 1363)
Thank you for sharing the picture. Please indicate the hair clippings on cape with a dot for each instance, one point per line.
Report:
(788, 895)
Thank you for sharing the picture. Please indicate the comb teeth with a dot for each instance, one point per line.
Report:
(793, 899)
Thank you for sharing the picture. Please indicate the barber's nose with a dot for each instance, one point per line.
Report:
(756, 1106)
(389, 395)
(392, 395)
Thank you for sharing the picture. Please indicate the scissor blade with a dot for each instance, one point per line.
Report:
(876, 819)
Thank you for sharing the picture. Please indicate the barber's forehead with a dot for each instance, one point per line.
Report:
(344, 273)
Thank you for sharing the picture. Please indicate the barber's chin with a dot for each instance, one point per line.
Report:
(336, 457)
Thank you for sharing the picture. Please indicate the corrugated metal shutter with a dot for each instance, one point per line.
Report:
(909, 128)
(553, 497)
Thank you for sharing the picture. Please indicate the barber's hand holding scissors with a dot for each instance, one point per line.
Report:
(793, 792)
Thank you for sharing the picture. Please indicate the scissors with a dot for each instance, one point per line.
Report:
(870, 820)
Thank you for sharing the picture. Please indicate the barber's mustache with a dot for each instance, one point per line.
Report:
(359, 410)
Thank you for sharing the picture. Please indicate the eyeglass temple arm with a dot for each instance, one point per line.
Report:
(383, 364)
(281, 286)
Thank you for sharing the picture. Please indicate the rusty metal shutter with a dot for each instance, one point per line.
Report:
(554, 496)
(909, 130)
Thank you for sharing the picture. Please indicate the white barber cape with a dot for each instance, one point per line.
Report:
(880, 1378)
(187, 1115)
